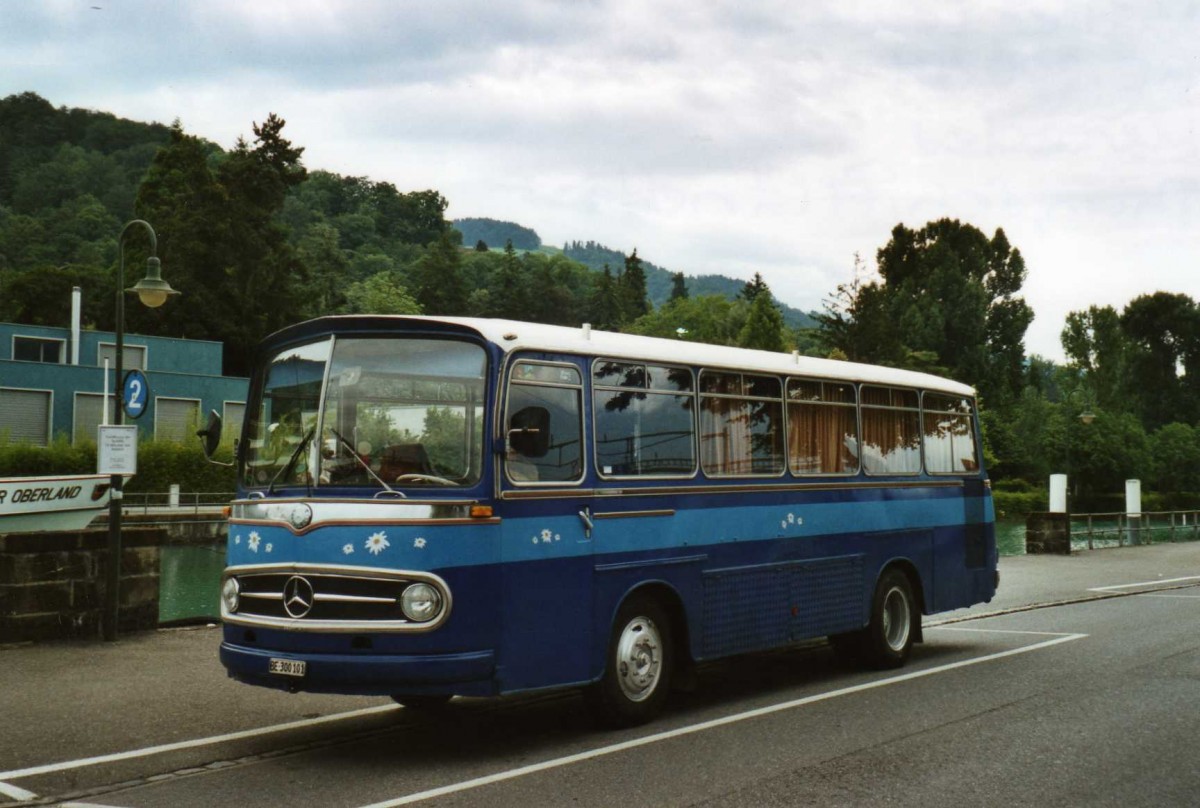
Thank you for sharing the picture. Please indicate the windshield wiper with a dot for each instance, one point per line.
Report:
(292, 460)
(363, 463)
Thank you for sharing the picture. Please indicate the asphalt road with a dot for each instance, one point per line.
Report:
(1090, 703)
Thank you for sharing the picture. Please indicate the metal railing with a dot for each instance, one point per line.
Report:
(196, 503)
(1149, 527)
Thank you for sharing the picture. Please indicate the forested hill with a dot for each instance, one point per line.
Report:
(254, 240)
(659, 281)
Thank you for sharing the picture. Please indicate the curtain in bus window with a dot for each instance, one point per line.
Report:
(949, 436)
(822, 438)
(891, 433)
(741, 437)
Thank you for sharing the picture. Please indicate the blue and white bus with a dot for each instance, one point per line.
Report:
(440, 506)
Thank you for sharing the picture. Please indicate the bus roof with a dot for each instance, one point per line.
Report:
(515, 335)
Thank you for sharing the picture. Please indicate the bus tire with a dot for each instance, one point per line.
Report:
(888, 638)
(638, 667)
(422, 703)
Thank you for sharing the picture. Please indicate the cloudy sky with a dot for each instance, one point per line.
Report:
(730, 137)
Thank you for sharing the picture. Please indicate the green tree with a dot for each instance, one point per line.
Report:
(764, 325)
(1175, 450)
(631, 289)
(507, 289)
(604, 307)
(220, 242)
(753, 288)
(679, 288)
(711, 319)
(436, 279)
(947, 296)
(1163, 333)
(1095, 345)
(382, 293)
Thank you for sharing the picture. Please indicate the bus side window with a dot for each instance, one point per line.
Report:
(544, 430)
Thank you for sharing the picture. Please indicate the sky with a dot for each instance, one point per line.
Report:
(715, 137)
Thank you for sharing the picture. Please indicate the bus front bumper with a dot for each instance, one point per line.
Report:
(464, 674)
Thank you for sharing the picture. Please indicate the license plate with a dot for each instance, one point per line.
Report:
(287, 667)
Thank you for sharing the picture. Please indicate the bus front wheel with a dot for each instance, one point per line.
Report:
(638, 667)
(887, 640)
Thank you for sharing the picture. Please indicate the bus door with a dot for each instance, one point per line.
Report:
(547, 533)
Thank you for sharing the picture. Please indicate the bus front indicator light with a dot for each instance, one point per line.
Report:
(421, 603)
(231, 595)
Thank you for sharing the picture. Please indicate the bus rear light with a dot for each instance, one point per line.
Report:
(481, 511)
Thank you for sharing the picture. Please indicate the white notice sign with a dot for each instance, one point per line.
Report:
(117, 450)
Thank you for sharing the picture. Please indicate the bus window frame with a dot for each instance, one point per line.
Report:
(502, 432)
(856, 406)
(973, 415)
(695, 396)
(921, 435)
(785, 471)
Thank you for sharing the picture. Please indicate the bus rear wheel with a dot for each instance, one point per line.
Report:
(887, 640)
(638, 667)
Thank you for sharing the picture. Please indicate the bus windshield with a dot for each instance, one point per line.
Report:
(369, 412)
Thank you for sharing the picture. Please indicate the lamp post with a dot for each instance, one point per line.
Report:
(153, 291)
(1085, 418)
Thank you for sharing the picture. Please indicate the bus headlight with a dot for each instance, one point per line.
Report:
(421, 603)
(231, 595)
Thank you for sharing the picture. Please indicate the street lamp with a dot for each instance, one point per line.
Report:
(153, 291)
(1086, 417)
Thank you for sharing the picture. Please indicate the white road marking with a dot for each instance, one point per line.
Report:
(1144, 583)
(999, 631)
(1157, 595)
(173, 747)
(512, 774)
(20, 794)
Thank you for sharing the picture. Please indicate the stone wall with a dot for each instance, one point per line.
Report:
(52, 585)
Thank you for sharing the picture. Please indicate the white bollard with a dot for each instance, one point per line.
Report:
(173, 496)
(1133, 510)
(1058, 493)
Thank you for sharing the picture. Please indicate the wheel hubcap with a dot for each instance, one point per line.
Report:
(896, 619)
(639, 659)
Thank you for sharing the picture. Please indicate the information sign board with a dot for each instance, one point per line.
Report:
(116, 449)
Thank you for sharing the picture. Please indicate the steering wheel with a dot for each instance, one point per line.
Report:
(424, 478)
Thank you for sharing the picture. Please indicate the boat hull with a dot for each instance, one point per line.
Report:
(40, 504)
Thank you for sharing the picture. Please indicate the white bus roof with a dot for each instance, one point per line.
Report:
(513, 335)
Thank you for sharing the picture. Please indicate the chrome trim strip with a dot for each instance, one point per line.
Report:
(727, 489)
(652, 562)
(630, 514)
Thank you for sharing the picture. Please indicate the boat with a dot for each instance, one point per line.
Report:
(38, 504)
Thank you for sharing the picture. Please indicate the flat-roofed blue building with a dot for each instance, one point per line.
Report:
(52, 382)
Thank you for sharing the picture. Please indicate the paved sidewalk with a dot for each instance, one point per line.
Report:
(71, 700)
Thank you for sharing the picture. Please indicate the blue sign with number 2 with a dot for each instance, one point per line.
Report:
(136, 393)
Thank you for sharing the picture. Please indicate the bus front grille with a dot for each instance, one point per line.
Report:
(309, 599)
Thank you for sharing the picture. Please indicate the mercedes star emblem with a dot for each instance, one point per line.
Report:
(298, 596)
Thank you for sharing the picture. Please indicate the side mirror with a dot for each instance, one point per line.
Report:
(210, 437)
(529, 432)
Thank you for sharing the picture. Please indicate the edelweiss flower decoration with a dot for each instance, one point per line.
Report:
(377, 543)
(254, 540)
